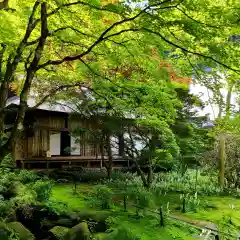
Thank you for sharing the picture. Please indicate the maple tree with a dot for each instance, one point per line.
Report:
(54, 44)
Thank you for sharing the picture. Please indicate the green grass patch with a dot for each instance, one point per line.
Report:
(222, 210)
(65, 193)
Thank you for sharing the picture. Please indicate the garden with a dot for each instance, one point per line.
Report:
(145, 94)
(37, 207)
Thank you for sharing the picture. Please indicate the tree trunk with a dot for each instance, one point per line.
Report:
(31, 70)
(228, 101)
(152, 149)
(3, 99)
(110, 157)
(130, 152)
(105, 164)
(4, 4)
(11, 66)
(150, 177)
(222, 144)
(222, 159)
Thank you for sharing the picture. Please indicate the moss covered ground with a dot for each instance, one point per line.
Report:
(221, 210)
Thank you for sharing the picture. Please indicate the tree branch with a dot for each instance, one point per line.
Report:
(31, 70)
(120, 32)
(102, 36)
(1, 60)
(51, 33)
(30, 27)
(189, 51)
(78, 57)
(197, 21)
(57, 89)
(12, 64)
(78, 3)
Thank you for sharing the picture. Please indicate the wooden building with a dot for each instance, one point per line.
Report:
(48, 133)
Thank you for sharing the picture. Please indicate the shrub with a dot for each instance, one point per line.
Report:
(190, 182)
(91, 175)
(26, 176)
(8, 161)
(102, 197)
(6, 208)
(191, 202)
(130, 186)
(26, 195)
(121, 176)
(121, 233)
(8, 186)
(43, 190)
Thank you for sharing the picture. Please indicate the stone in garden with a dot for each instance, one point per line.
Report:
(79, 232)
(23, 232)
(65, 222)
(59, 231)
(3, 231)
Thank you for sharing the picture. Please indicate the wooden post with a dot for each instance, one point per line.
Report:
(184, 205)
(161, 217)
(101, 164)
(125, 203)
(222, 159)
(48, 155)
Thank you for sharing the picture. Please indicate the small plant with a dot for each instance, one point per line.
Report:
(190, 202)
(232, 207)
(5, 208)
(121, 233)
(102, 198)
(8, 161)
(43, 190)
(175, 182)
(206, 235)
(167, 210)
(8, 184)
(26, 176)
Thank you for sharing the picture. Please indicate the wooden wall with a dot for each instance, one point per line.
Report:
(21, 148)
(50, 122)
(87, 145)
(38, 144)
(45, 123)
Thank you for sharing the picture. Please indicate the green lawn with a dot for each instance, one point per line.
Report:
(65, 193)
(213, 209)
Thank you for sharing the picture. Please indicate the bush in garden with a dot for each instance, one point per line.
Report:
(8, 184)
(140, 196)
(43, 190)
(131, 187)
(6, 208)
(102, 197)
(8, 161)
(91, 175)
(118, 233)
(26, 176)
(122, 176)
(190, 182)
(191, 202)
(123, 233)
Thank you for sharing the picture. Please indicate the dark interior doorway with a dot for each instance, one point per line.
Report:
(65, 144)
